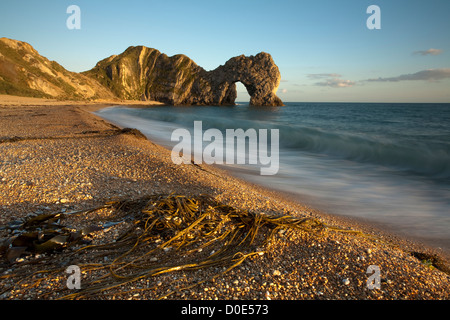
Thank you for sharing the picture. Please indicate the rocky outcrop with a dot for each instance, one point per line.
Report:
(24, 72)
(146, 74)
(142, 73)
(259, 74)
(139, 73)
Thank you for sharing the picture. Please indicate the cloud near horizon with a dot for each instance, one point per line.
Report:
(323, 75)
(427, 75)
(336, 83)
(433, 52)
(331, 80)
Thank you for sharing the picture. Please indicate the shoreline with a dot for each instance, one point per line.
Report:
(420, 243)
(370, 226)
(367, 225)
(93, 161)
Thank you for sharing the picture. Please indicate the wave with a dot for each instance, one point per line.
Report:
(415, 156)
(419, 158)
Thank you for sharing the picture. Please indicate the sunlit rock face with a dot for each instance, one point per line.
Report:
(142, 73)
(259, 74)
(139, 73)
(24, 72)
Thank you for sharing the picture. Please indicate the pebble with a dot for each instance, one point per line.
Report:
(5, 295)
(346, 281)
(277, 273)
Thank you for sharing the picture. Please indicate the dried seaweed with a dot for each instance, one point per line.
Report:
(167, 233)
(42, 234)
(188, 227)
(432, 260)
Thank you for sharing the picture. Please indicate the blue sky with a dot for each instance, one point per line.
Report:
(323, 48)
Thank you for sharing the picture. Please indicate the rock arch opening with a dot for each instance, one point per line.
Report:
(178, 80)
(243, 97)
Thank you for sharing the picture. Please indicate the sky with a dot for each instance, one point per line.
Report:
(323, 48)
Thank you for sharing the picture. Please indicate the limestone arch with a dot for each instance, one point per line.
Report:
(243, 96)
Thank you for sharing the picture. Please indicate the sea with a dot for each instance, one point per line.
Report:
(383, 163)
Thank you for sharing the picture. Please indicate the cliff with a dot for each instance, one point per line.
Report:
(24, 72)
(139, 73)
(146, 74)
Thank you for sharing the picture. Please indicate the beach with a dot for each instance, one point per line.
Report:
(58, 156)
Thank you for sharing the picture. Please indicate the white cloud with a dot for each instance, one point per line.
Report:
(323, 75)
(284, 91)
(427, 75)
(336, 83)
(433, 52)
(331, 80)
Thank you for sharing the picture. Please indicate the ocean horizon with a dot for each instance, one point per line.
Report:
(386, 163)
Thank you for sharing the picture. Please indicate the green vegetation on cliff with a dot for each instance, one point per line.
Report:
(24, 72)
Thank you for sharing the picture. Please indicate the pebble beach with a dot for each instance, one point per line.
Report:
(58, 157)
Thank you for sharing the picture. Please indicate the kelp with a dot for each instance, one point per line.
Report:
(432, 260)
(42, 233)
(166, 234)
(187, 234)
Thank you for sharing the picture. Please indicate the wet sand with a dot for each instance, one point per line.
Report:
(59, 156)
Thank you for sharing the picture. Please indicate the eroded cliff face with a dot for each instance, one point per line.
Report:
(142, 73)
(259, 74)
(146, 74)
(139, 73)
